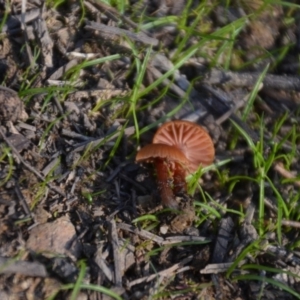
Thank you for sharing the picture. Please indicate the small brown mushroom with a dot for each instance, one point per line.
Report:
(191, 139)
(178, 149)
(168, 161)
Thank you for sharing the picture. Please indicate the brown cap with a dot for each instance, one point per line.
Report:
(170, 153)
(193, 141)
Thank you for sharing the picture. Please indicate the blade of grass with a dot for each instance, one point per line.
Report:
(242, 255)
(168, 20)
(268, 269)
(91, 287)
(73, 72)
(254, 92)
(152, 86)
(116, 145)
(77, 285)
(208, 208)
(145, 218)
(47, 130)
(7, 153)
(276, 283)
(260, 162)
(181, 244)
(188, 30)
(140, 71)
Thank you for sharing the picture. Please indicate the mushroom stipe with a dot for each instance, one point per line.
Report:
(178, 149)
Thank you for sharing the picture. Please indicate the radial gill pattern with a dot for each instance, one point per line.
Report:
(190, 138)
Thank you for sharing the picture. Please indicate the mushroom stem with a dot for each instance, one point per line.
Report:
(180, 185)
(164, 184)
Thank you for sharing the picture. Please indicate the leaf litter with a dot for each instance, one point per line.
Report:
(70, 189)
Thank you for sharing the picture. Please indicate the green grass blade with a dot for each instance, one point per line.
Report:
(77, 285)
(254, 93)
(274, 282)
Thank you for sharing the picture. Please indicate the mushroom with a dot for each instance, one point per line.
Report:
(191, 139)
(178, 149)
(169, 162)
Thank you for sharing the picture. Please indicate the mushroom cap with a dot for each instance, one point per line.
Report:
(163, 151)
(193, 141)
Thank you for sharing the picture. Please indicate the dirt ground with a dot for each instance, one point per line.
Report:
(79, 218)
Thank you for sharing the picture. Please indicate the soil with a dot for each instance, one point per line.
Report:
(74, 205)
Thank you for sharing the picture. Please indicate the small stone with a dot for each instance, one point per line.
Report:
(58, 237)
(11, 106)
(163, 229)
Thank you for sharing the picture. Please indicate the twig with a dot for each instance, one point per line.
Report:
(14, 21)
(92, 144)
(142, 233)
(46, 43)
(75, 135)
(116, 252)
(232, 110)
(113, 14)
(249, 79)
(9, 266)
(281, 253)
(57, 103)
(21, 198)
(103, 94)
(23, 27)
(195, 115)
(173, 87)
(159, 240)
(50, 166)
(62, 70)
(217, 268)
(290, 223)
(102, 264)
(115, 31)
(194, 97)
(285, 173)
(223, 108)
(185, 238)
(165, 273)
(270, 204)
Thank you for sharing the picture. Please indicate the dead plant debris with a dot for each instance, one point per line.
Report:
(84, 86)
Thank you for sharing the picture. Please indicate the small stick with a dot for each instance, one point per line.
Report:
(116, 252)
(249, 79)
(24, 28)
(21, 198)
(113, 14)
(290, 223)
(127, 131)
(164, 273)
(75, 135)
(142, 233)
(115, 31)
(10, 266)
(218, 268)
(232, 110)
(285, 173)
